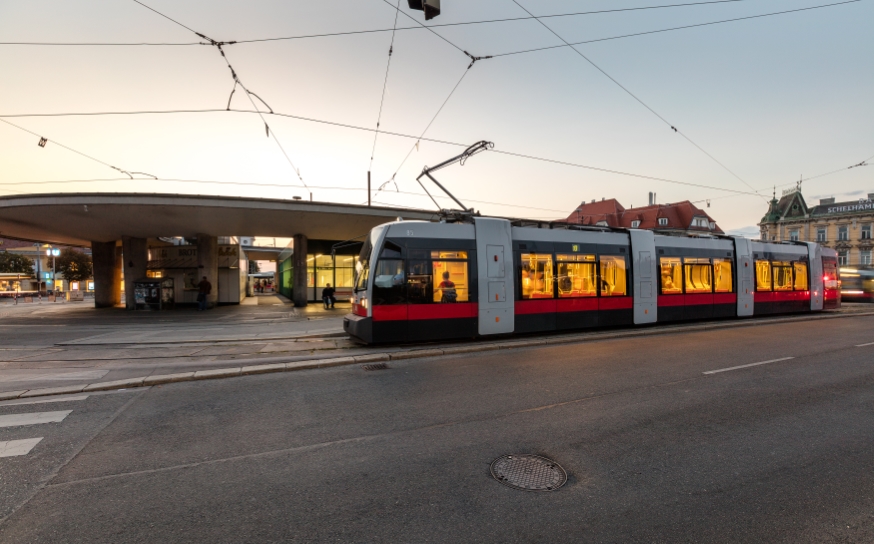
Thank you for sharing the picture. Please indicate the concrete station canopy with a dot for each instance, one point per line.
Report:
(82, 218)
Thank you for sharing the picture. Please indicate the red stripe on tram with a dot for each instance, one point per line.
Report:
(583, 304)
(615, 303)
(393, 312)
(443, 311)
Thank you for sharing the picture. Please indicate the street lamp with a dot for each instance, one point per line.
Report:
(53, 252)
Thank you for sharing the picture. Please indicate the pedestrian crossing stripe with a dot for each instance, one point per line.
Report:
(14, 448)
(34, 418)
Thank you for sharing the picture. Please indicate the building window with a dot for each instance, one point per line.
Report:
(663, 221)
(866, 231)
(866, 256)
(635, 224)
(793, 235)
(843, 258)
(820, 235)
(843, 232)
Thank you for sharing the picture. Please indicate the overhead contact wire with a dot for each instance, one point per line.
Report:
(129, 174)
(391, 48)
(634, 96)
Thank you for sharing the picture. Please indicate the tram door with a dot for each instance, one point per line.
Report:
(645, 277)
(817, 287)
(745, 275)
(494, 250)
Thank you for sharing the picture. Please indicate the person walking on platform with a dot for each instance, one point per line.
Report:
(204, 288)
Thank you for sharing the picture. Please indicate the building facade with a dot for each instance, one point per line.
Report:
(678, 218)
(842, 226)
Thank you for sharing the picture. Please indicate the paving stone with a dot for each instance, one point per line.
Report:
(168, 378)
(53, 391)
(117, 384)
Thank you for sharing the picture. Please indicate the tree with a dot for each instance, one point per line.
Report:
(16, 264)
(74, 265)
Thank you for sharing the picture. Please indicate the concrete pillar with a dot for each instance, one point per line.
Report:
(207, 265)
(135, 257)
(299, 270)
(107, 274)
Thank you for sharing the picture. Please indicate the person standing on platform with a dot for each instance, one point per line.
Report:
(204, 288)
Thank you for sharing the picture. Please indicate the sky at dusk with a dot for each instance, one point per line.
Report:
(772, 99)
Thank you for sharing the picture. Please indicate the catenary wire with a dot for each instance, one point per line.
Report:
(355, 32)
(391, 48)
(237, 81)
(571, 44)
(634, 96)
(422, 138)
(125, 172)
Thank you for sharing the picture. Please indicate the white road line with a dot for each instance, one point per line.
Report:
(62, 399)
(863, 345)
(17, 420)
(13, 448)
(747, 366)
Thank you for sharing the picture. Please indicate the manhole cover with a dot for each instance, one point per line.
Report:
(528, 472)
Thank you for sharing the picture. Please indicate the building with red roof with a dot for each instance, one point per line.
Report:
(677, 218)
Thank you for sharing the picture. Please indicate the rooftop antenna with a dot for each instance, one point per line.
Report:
(478, 147)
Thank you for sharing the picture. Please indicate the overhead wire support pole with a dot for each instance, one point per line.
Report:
(478, 147)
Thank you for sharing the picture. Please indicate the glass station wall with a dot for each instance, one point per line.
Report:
(322, 269)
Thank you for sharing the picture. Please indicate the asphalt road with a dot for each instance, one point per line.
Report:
(655, 449)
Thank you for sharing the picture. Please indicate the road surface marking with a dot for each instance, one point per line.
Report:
(13, 448)
(63, 399)
(863, 345)
(747, 366)
(17, 420)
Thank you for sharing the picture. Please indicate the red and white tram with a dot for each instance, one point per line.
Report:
(420, 281)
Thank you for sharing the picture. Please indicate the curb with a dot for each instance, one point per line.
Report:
(421, 353)
(337, 334)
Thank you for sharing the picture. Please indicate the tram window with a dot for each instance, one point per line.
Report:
(800, 276)
(536, 275)
(672, 276)
(782, 275)
(362, 271)
(450, 282)
(391, 251)
(576, 276)
(763, 275)
(388, 282)
(613, 278)
(722, 276)
(699, 278)
(419, 282)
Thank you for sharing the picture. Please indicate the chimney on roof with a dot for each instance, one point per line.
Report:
(593, 201)
(652, 198)
(870, 196)
(823, 201)
(602, 199)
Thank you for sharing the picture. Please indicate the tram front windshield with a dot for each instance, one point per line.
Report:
(362, 267)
